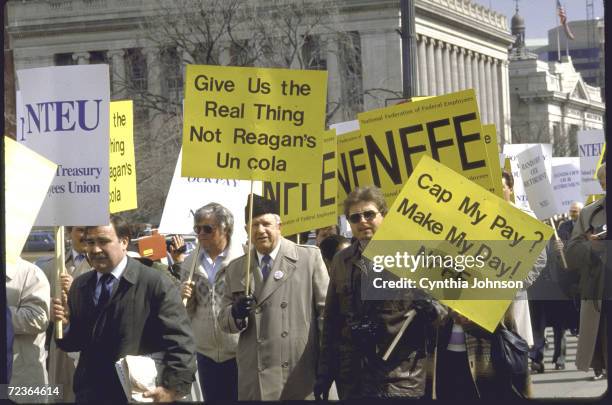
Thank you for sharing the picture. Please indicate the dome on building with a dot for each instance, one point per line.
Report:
(517, 23)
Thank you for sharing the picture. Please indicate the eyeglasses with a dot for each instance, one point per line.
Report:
(367, 215)
(206, 228)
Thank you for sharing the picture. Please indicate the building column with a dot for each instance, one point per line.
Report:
(118, 79)
(431, 65)
(453, 67)
(422, 62)
(153, 70)
(439, 68)
(475, 79)
(497, 102)
(469, 82)
(491, 105)
(81, 58)
(482, 90)
(505, 129)
(447, 68)
(461, 69)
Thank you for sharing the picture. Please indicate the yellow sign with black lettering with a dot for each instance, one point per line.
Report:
(353, 168)
(458, 242)
(492, 149)
(122, 163)
(447, 128)
(304, 207)
(253, 123)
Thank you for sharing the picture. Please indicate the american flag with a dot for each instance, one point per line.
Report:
(563, 20)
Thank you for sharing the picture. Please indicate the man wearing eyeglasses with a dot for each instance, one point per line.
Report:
(358, 331)
(215, 349)
(280, 318)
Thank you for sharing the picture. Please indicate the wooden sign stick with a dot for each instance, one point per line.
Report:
(60, 260)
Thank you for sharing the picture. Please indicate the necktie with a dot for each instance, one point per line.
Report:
(106, 282)
(265, 266)
(78, 259)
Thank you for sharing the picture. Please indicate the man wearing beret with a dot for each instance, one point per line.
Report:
(280, 318)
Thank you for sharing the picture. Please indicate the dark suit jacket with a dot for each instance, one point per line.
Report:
(144, 315)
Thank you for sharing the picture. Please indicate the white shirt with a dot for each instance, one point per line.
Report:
(272, 255)
(116, 273)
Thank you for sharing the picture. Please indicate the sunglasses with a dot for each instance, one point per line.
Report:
(206, 228)
(367, 215)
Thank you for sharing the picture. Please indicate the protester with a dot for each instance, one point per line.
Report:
(569, 280)
(27, 297)
(216, 350)
(325, 232)
(123, 308)
(61, 365)
(280, 321)
(463, 368)
(357, 332)
(332, 245)
(586, 253)
(10, 337)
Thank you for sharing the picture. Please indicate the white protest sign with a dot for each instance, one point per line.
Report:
(65, 118)
(513, 149)
(187, 194)
(566, 181)
(344, 127)
(536, 183)
(590, 145)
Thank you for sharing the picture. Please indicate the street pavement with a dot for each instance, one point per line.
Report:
(568, 383)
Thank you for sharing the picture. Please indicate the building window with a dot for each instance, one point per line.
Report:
(351, 76)
(63, 59)
(172, 79)
(98, 57)
(314, 53)
(572, 137)
(137, 82)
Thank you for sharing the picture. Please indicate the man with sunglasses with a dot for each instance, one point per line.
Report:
(358, 331)
(215, 349)
(280, 317)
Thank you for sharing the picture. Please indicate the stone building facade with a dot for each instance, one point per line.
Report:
(460, 45)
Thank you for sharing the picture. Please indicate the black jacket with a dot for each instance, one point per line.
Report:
(144, 315)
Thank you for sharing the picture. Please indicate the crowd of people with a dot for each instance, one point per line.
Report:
(298, 327)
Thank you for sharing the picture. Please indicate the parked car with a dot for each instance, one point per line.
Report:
(39, 241)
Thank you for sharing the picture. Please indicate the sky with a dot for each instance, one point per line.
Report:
(541, 15)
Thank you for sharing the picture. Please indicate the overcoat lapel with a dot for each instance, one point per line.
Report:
(282, 270)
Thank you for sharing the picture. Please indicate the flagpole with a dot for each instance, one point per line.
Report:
(558, 29)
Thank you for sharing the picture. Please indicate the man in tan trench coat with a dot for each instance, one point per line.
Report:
(280, 321)
(586, 254)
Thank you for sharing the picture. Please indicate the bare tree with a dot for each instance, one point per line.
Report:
(298, 34)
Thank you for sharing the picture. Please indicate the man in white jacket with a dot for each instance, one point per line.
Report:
(216, 350)
(27, 297)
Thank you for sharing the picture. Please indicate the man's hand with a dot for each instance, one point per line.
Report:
(161, 394)
(242, 306)
(558, 245)
(177, 249)
(66, 282)
(187, 289)
(321, 387)
(425, 309)
(58, 312)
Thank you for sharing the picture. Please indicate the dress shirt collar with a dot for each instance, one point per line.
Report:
(272, 254)
(117, 271)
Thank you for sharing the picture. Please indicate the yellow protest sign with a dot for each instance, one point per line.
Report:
(602, 160)
(309, 206)
(458, 242)
(253, 123)
(491, 147)
(353, 168)
(446, 128)
(27, 177)
(122, 163)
